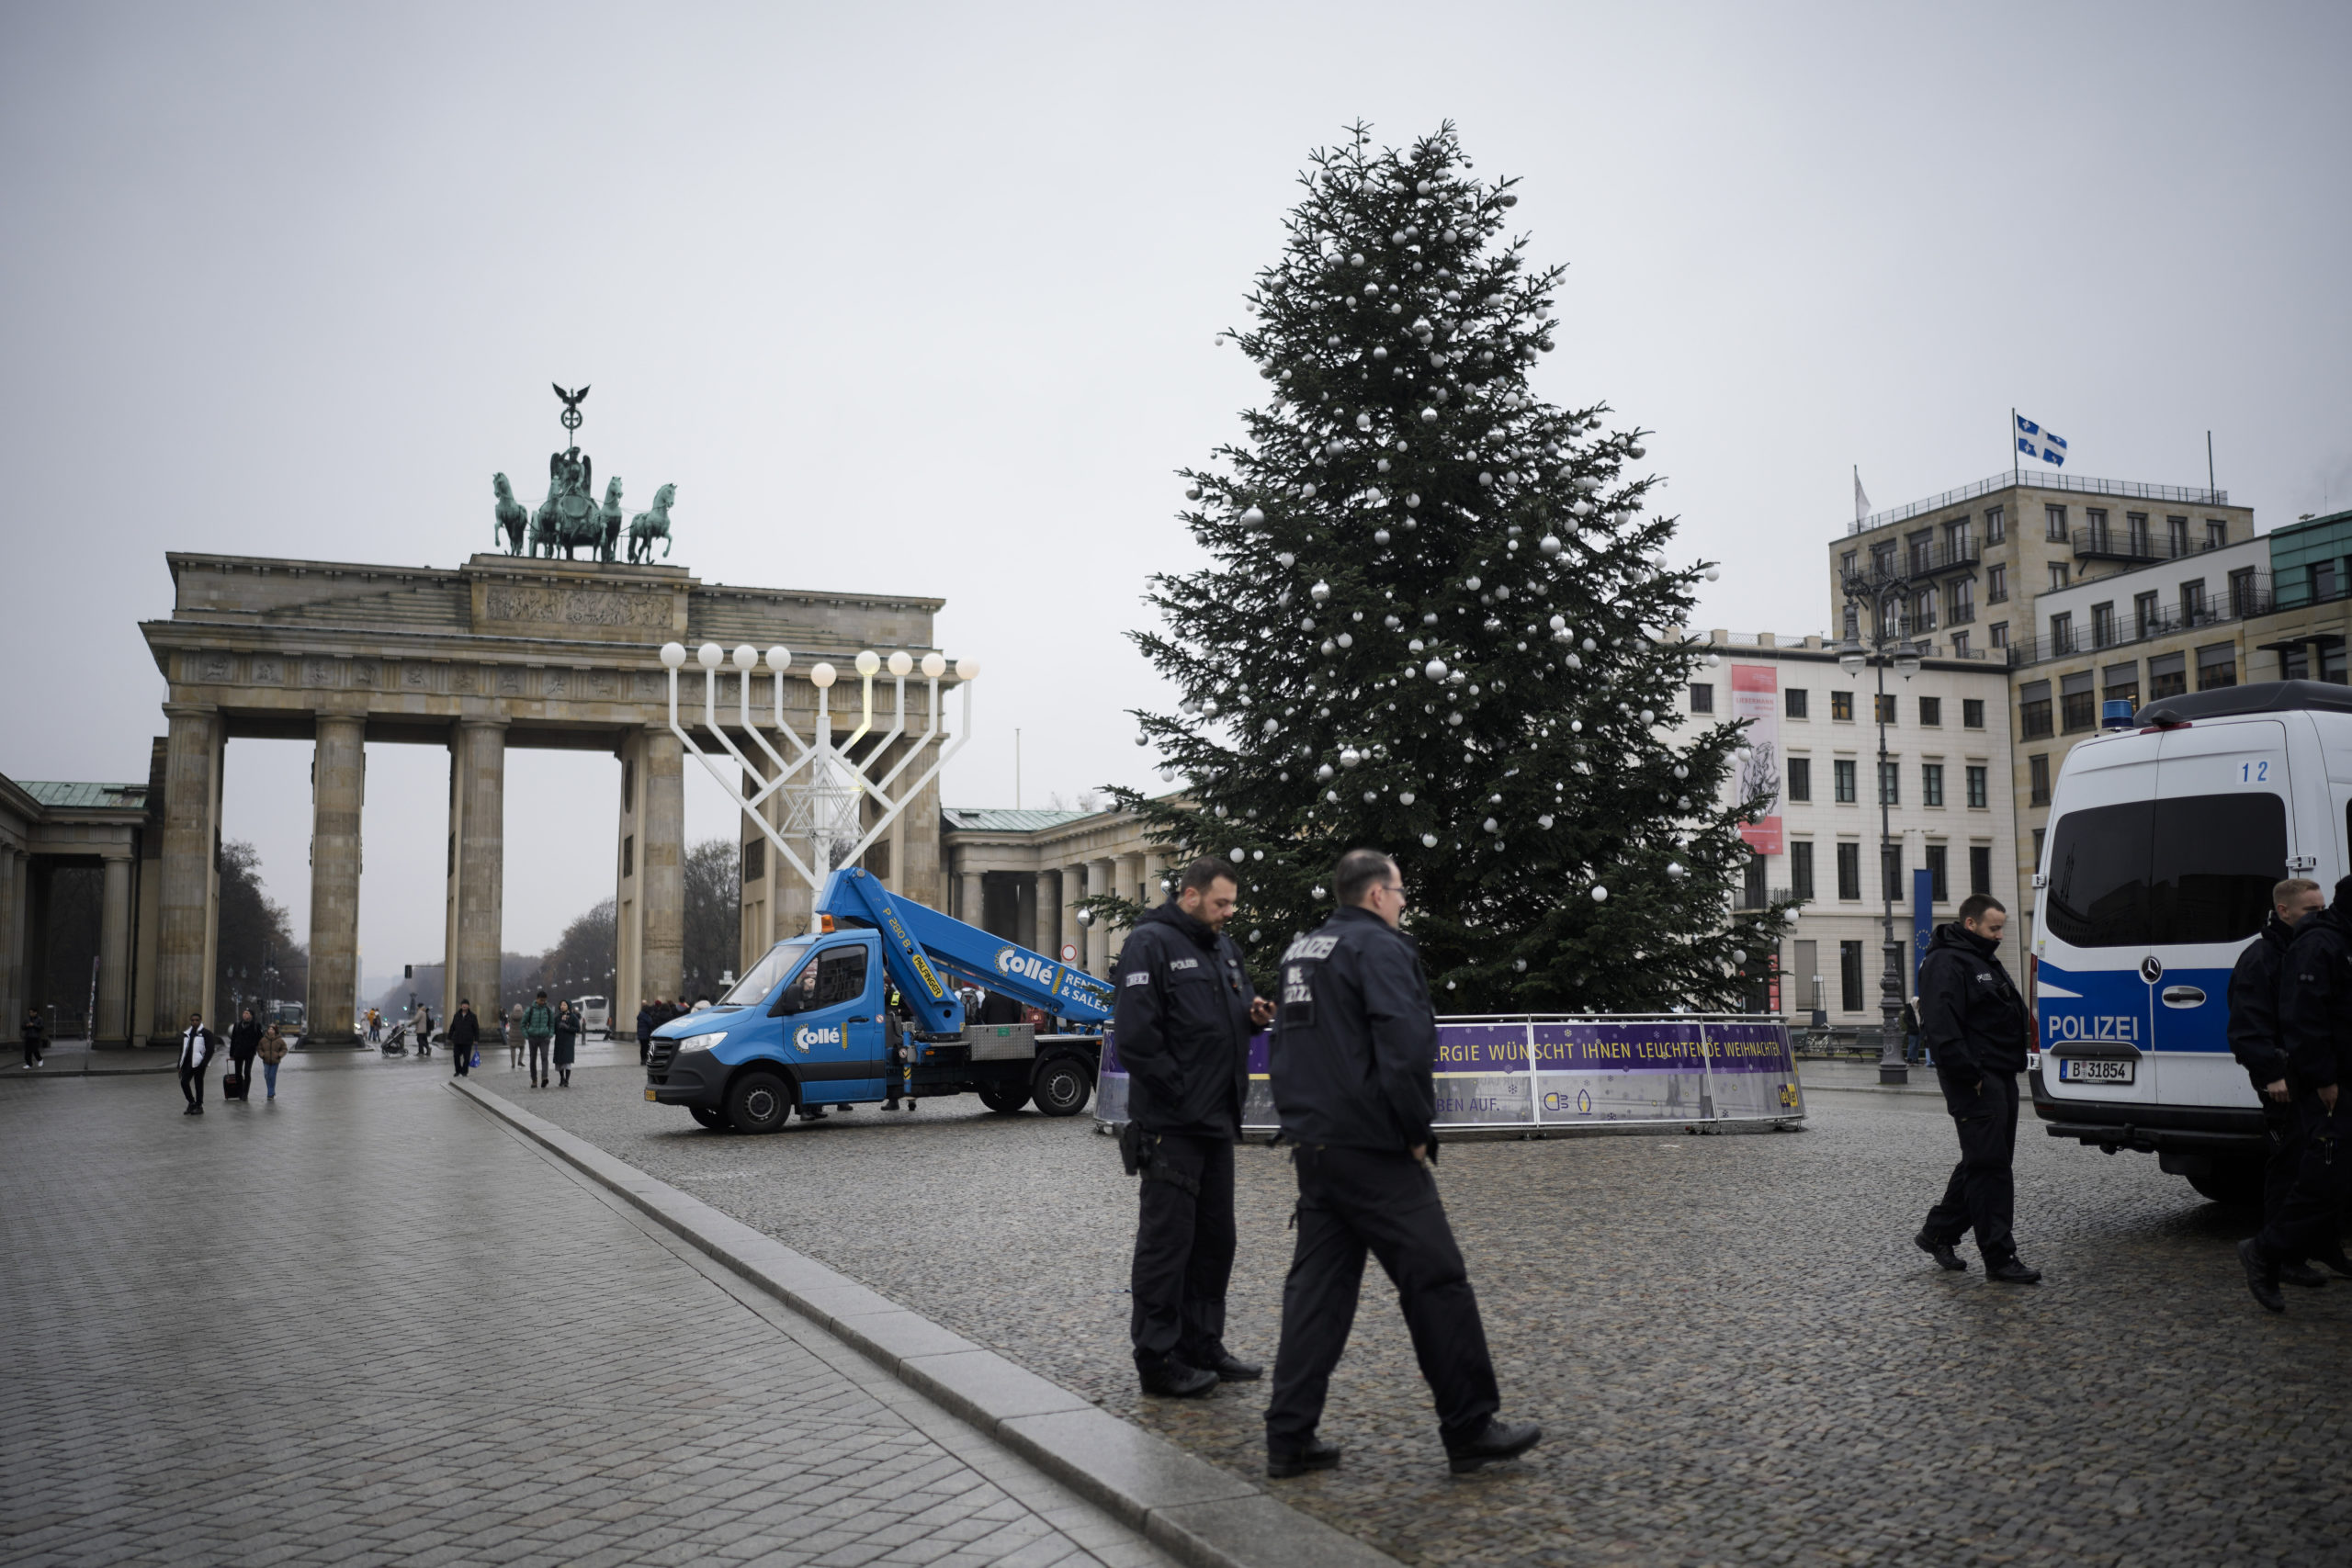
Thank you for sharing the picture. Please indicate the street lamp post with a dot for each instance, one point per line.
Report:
(1884, 588)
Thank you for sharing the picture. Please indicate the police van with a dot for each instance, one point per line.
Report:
(2165, 840)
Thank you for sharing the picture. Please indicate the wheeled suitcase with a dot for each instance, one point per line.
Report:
(233, 1086)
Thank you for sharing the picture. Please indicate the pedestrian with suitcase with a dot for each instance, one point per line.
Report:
(245, 1040)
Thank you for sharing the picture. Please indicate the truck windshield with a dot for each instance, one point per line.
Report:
(2160, 872)
(761, 977)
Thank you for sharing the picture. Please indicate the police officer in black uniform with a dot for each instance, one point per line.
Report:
(2315, 1020)
(1182, 1025)
(1975, 1024)
(2254, 1042)
(1354, 1052)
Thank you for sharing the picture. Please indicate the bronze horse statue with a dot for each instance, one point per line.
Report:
(511, 516)
(570, 517)
(651, 524)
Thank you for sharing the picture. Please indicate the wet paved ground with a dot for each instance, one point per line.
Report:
(369, 1326)
(1737, 1351)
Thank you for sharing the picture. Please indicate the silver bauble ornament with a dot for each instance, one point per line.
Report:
(1320, 592)
(1253, 518)
(1600, 895)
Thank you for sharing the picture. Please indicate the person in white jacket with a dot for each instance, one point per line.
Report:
(196, 1050)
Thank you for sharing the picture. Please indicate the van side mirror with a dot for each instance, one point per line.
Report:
(787, 1002)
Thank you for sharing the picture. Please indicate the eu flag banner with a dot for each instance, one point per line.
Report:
(2036, 442)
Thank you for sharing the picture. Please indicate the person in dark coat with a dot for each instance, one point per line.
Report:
(1975, 1025)
(196, 1045)
(2315, 1021)
(2255, 1042)
(648, 1020)
(566, 1037)
(33, 1055)
(1353, 1067)
(465, 1033)
(244, 1043)
(1181, 1025)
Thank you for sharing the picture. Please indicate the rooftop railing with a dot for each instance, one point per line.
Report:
(2080, 484)
(2240, 602)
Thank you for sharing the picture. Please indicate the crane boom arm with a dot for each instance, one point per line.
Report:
(921, 948)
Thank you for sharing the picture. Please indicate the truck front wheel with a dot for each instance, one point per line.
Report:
(1005, 1095)
(1062, 1086)
(759, 1103)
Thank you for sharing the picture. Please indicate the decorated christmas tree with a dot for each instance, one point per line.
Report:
(1439, 623)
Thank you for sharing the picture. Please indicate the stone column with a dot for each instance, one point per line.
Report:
(184, 945)
(1048, 931)
(1131, 879)
(662, 865)
(975, 907)
(113, 1025)
(12, 935)
(338, 788)
(1102, 876)
(473, 973)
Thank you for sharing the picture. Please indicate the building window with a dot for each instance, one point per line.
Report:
(1959, 602)
(2332, 667)
(2103, 624)
(1931, 710)
(2033, 710)
(1882, 708)
(628, 855)
(1890, 783)
(1801, 870)
(1793, 702)
(1846, 563)
(1841, 704)
(2217, 666)
(2325, 580)
(1980, 868)
(1959, 645)
(1923, 551)
(2245, 599)
(1923, 611)
(1971, 712)
(1800, 778)
(1890, 872)
(1996, 527)
(2217, 533)
(2096, 516)
(2037, 776)
(2057, 575)
(2295, 663)
(2192, 603)
(1931, 783)
(2135, 536)
(1883, 558)
(2061, 633)
(1939, 890)
(1841, 780)
(2039, 833)
(1957, 541)
(2177, 536)
(1850, 871)
(1977, 790)
(2054, 523)
(1998, 634)
(2167, 676)
(1849, 976)
(1702, 697)
(755, 859)
(1997, 586)
(2120, 684)
(2077, 703)
(2143, 614)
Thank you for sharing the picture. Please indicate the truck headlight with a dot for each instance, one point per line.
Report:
(701, 1042)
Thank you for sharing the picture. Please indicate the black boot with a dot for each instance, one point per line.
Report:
(1230, 1368)
(2261, 1275)
(1500, 1440)
(2010, 1271)
(1941, 1252)
(1172, 1379)
(1283, 1463)
(2304, 1274)
(2335, 1260)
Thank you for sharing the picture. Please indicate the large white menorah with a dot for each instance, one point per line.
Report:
(824, 806)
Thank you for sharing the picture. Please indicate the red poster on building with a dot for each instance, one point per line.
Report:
(1756, 697)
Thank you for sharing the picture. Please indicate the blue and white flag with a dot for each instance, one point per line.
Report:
(2036, 442)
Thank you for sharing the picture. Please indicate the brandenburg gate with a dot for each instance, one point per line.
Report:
(507, 651)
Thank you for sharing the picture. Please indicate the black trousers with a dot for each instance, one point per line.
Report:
(463, 1056)
(2305, 1225)
(541, 1047)
(32, 1049)
(192, 1084)
(2284, 1125)
(1184, 1243)
(1355, 1201)
(644, 1049)
(1982, 1193)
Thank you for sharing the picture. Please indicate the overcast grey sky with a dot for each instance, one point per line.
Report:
(921, 299)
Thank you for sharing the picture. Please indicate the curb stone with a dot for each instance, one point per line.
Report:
(1199, 1512)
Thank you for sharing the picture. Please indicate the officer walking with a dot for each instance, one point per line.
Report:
(2255, 1042)
(2315, 1021)
(1974, 1024)
(1354, 1052)
(1181, 1025)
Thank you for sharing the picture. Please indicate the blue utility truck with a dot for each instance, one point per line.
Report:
(809, 1025)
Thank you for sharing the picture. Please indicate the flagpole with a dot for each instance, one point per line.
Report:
(2016, 474)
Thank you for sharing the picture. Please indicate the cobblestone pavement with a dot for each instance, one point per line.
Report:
(1738, 1353)
(369, 1326)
